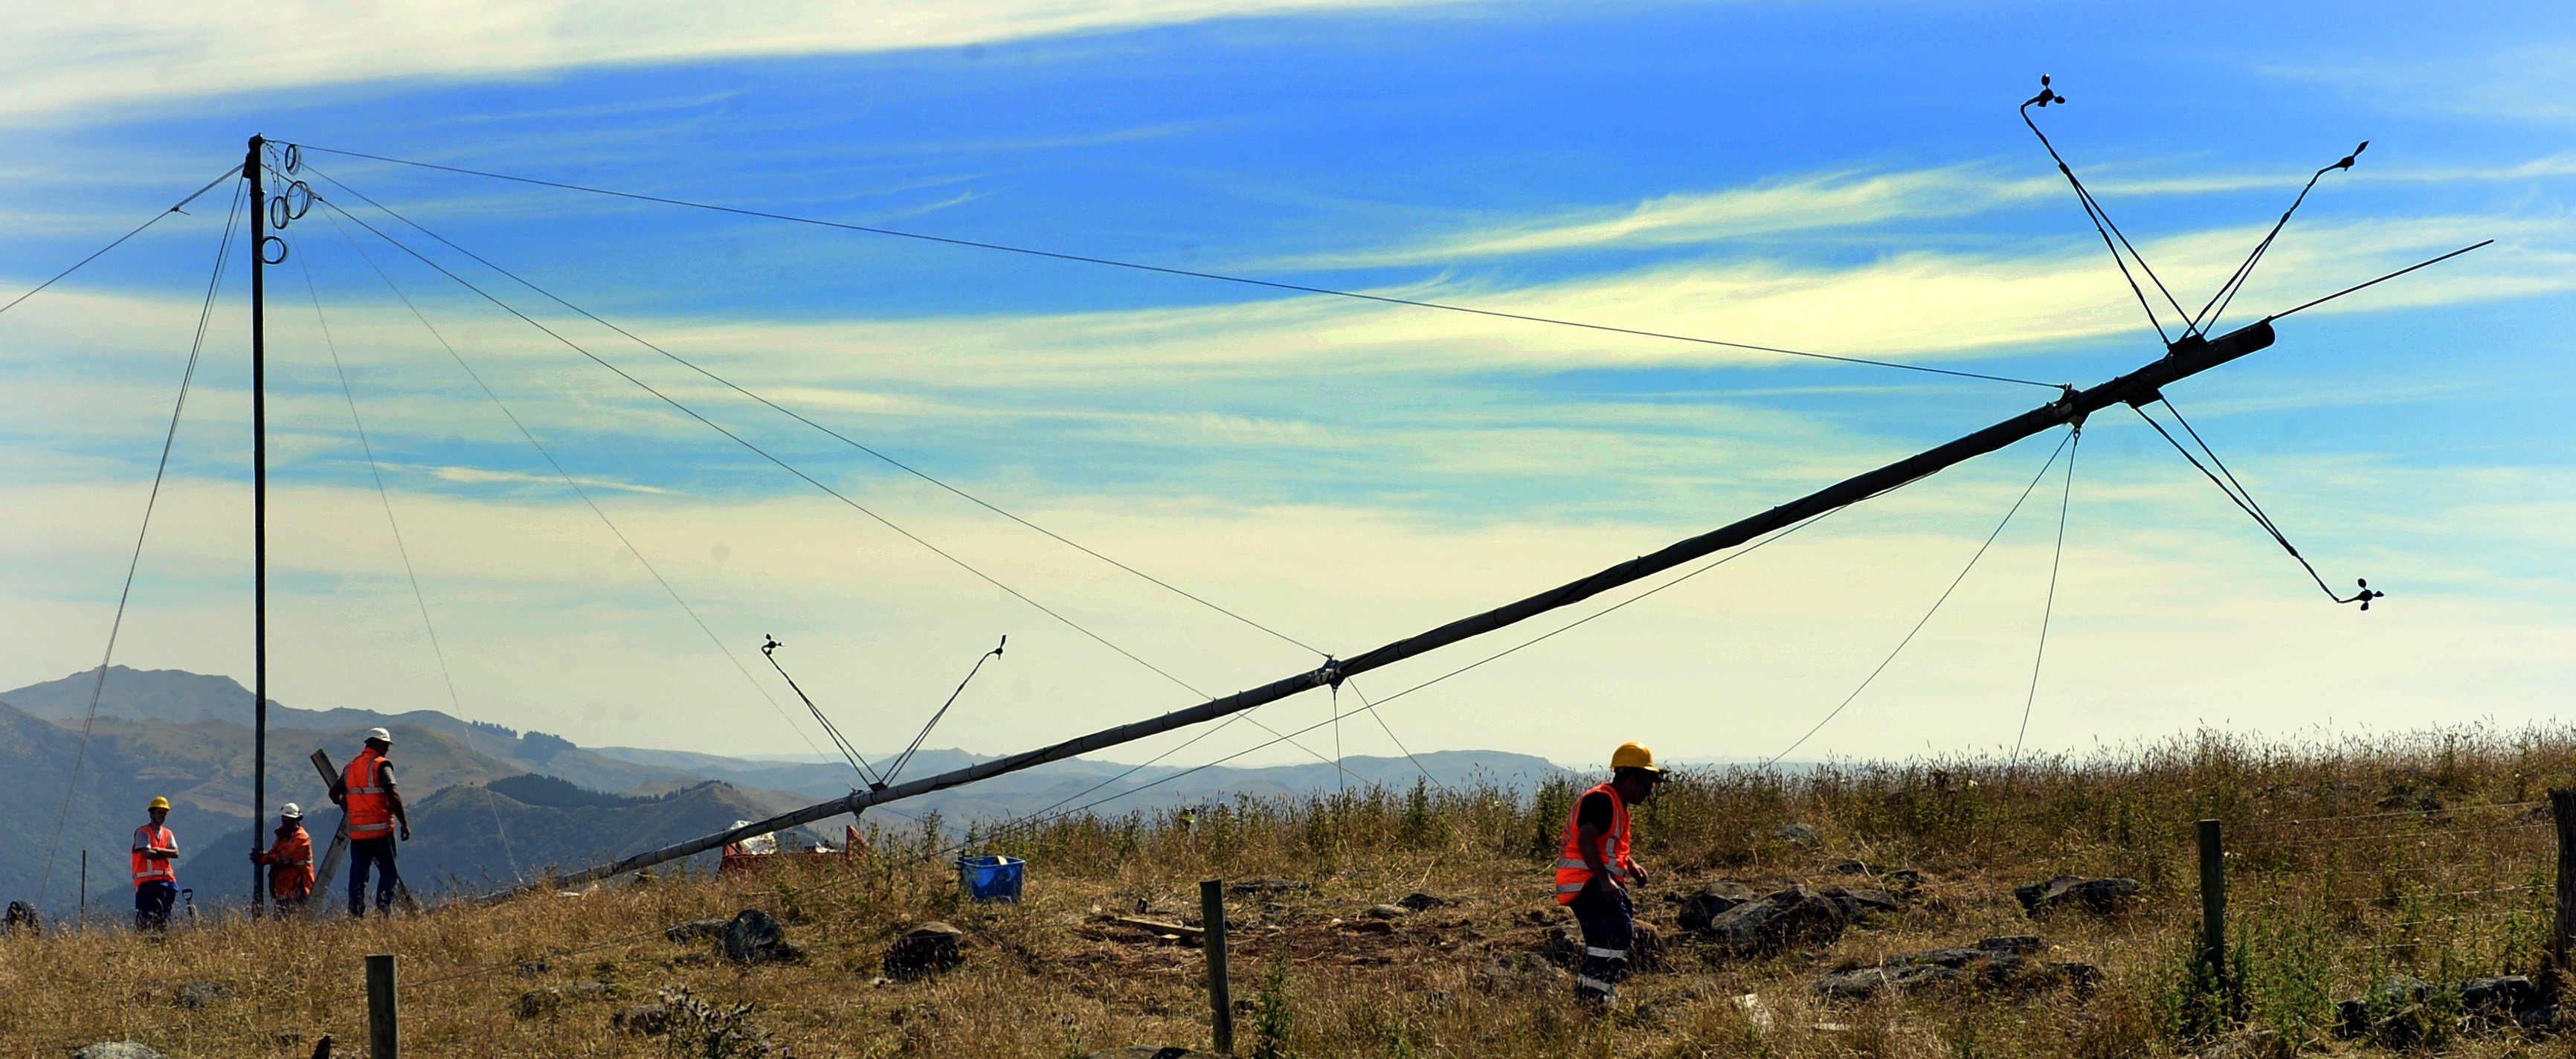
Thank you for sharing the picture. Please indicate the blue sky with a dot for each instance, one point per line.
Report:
(1849, 178)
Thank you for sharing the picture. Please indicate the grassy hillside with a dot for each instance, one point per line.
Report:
(220, 708)
(2352, 863)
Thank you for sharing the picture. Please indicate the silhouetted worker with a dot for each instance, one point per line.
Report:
(1594, 870)
(366, 794)
(156, 884)
(289, 860)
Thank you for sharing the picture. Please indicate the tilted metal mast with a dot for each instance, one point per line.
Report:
(2188, 357)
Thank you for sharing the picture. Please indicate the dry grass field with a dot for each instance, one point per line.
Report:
(2426, 855)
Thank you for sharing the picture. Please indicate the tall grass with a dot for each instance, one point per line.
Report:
(2351, 860)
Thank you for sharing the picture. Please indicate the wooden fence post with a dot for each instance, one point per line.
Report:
(1212, 930)
(2213, 907)
(383, 1040)
(2562, 927)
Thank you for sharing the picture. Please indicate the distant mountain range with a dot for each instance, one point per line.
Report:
(490, 804)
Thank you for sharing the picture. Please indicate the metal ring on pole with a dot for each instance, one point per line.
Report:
(278, 211)
(294, 158)
(299, 198)
(263, 251)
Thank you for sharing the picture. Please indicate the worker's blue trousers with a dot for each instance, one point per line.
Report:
(152, 904)
(1609, 927)
(380, 852)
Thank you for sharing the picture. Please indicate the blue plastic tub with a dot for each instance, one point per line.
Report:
(992, 878)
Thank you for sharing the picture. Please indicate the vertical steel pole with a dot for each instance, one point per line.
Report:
(258, 510)
(84, 901)
(383, 1039)
(1212, 930)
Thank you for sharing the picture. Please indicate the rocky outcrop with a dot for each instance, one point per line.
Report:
(2102, 897)
(2399, 1011)
(2002, 962)
(1776, 922)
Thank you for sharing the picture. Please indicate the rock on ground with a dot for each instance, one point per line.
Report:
(1563, 947)
(1388, 912)
(1995, 962)
(924, 950)
(2099, 896)
(1781, 920)
(695, 930)
(537, 1003)
(1795, 834)
(1420, 902)
(642, 1020)
(2017, 944)
(1711, 901)
(1900, 878)
(116, 1050)
(1857, 901)
(1523, 972)
(2394, 1012)
(755, 937)
(200, 994)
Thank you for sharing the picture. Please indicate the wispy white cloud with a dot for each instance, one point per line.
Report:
(480, 476)
(1847, 200)
(1836, 200)
(63, 58)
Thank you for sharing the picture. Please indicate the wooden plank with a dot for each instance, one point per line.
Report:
(330, 866)
(1189, 934)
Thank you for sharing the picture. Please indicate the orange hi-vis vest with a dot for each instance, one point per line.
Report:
(371, 811)
(290, 866)
(1571, 872)
(148, 868)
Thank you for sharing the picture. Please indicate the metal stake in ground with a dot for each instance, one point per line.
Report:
(1212, 933)
(384, 1040)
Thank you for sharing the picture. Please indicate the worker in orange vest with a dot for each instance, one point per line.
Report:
(366, 794)
(1594, 870)
(289, 860)
(156, 885)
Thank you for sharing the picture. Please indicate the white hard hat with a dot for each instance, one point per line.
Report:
(291, 811)
(380, 734)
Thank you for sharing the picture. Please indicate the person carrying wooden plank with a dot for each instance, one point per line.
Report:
(372, 808)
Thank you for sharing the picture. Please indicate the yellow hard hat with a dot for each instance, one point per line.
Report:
(160, 803)
(1633, 756)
